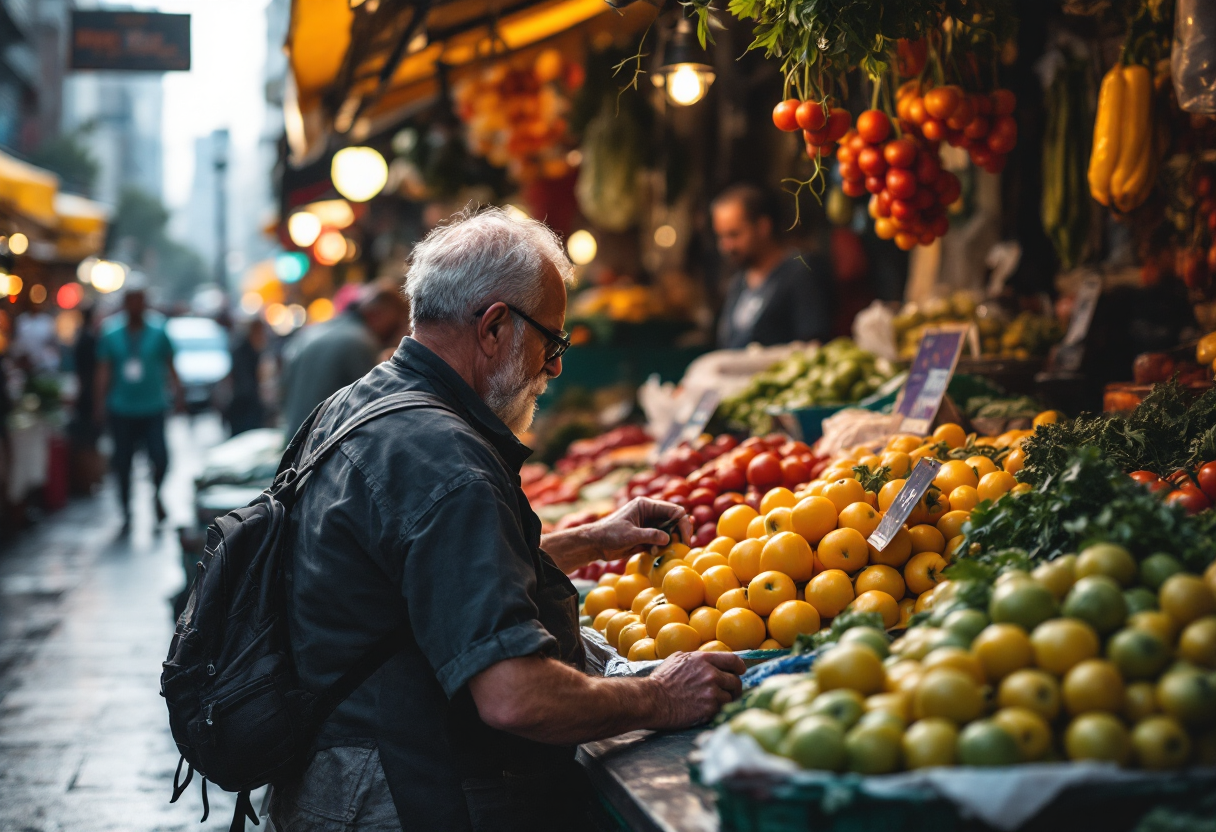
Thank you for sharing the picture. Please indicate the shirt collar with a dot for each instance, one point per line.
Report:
(449, 385)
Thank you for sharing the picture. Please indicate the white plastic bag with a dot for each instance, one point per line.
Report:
(874, 330)
(1193, 56)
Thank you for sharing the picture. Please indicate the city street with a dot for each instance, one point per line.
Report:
(85, 621)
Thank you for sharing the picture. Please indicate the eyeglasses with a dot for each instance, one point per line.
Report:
(560, 340)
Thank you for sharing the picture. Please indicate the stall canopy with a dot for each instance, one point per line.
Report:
(358, 66)
(61, 226)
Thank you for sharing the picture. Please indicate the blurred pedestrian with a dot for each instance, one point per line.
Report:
(135, 385)
(326, 357)
(777, 295)
(246, 411)
(83, 431)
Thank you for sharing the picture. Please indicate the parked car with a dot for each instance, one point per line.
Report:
(200, 357)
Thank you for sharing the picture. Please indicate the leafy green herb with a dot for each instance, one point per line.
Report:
(1089, 500)
(1165, 433)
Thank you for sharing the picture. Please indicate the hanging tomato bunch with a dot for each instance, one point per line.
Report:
(980, 123)
(516, 114)
(821, 125)
(909, 190)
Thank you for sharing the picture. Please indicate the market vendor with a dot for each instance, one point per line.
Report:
(419, 518)
(777, 294)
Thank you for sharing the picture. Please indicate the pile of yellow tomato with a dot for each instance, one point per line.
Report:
(803, 558)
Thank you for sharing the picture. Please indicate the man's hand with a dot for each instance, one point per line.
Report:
(625, 531)
(633, 526)
(691, 687)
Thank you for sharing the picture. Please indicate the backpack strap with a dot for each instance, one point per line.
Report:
(295, 477)
(383, 649)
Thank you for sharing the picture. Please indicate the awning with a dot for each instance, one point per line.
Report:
(355, 70)
(28, 190)
(82, 226)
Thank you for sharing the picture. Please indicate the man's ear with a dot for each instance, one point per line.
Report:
(492, 329)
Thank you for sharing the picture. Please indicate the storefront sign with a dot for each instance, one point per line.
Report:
(147, 41)
(691, 429)
(916, 486)
(929, 377)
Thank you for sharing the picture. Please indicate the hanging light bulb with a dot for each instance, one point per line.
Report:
(358, 173)
(684, 73)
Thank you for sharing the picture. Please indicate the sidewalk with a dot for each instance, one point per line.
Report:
(84, 625)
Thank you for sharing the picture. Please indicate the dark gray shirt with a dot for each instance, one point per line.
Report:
(322, 359)
(419, 514)
(794, 303)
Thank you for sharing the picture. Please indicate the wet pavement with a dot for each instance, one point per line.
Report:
(85, 621)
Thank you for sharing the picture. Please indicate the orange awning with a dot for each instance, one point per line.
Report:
(339, 55)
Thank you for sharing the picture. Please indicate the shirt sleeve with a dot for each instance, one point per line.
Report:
(468, 579)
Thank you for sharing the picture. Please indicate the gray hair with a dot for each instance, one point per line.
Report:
(482, 256)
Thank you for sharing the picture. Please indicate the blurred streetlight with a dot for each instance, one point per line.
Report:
(358, 173)
(18, 243)
(581, 247)
(107, 276)
(303, 228)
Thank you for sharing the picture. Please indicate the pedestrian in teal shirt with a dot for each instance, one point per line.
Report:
(135, 385)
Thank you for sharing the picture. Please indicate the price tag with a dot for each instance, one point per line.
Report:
(691, 429)
(916, 486)
(1083, 310)
(932, 369)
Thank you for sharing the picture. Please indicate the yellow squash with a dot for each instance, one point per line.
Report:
(1105, 154)
(1130, 180)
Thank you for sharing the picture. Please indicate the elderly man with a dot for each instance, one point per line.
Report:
(419, 518)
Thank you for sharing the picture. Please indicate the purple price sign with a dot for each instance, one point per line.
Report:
(929, 377)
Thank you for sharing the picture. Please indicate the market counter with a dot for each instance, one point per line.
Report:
(643, 778)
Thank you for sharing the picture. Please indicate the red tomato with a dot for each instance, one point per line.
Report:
(705, 534)
(911, 56)
(1190, 498)
(903, 210)
(901, 183)
(871, 161)
(733, 479)
(764, 472)
(1160, 486)
(851, 172)
(784, 115)
(977, 128)
(906, 240)
(928, 168)
(1144, 477)
(702, 515)
(1005, 126)
(724, 501)
(940, 225)
(873, 126)
(838, 123)
(1000, 143)
(933, 129)
(962, 114)
(874, 184)
(794, 448)
(794, 472)
(677, 487)
(948, 189)
(1207, 479)
(810, 115)
(854, 188)
(899, 153)
(1004, 102)
(941, 102)
(701, 497)
(883, 205)
(726, 442)
(982, 105)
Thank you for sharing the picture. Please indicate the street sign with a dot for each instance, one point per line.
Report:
(147, 41)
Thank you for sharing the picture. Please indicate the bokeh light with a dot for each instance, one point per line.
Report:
(321, 309)
(665, 236)
(18, 243)
(358, 173)
(582, 247)
(38, 293)
(303, 228)
(69, 295)
(251, 303)
(330, 248)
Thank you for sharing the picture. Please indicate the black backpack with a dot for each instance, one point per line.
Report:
(237, 710)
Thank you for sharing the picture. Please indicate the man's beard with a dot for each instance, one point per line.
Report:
(511, 393)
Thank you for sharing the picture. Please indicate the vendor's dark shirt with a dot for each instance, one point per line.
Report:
(794, 303)
(419, 515)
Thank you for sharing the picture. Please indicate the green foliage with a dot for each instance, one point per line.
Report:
(872, 480)
(1164, 433)
(1089, 500)
(69, 158)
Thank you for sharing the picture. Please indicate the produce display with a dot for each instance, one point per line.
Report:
(1026, 336)
(837, 373)
(790, 565)
(516, 114)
